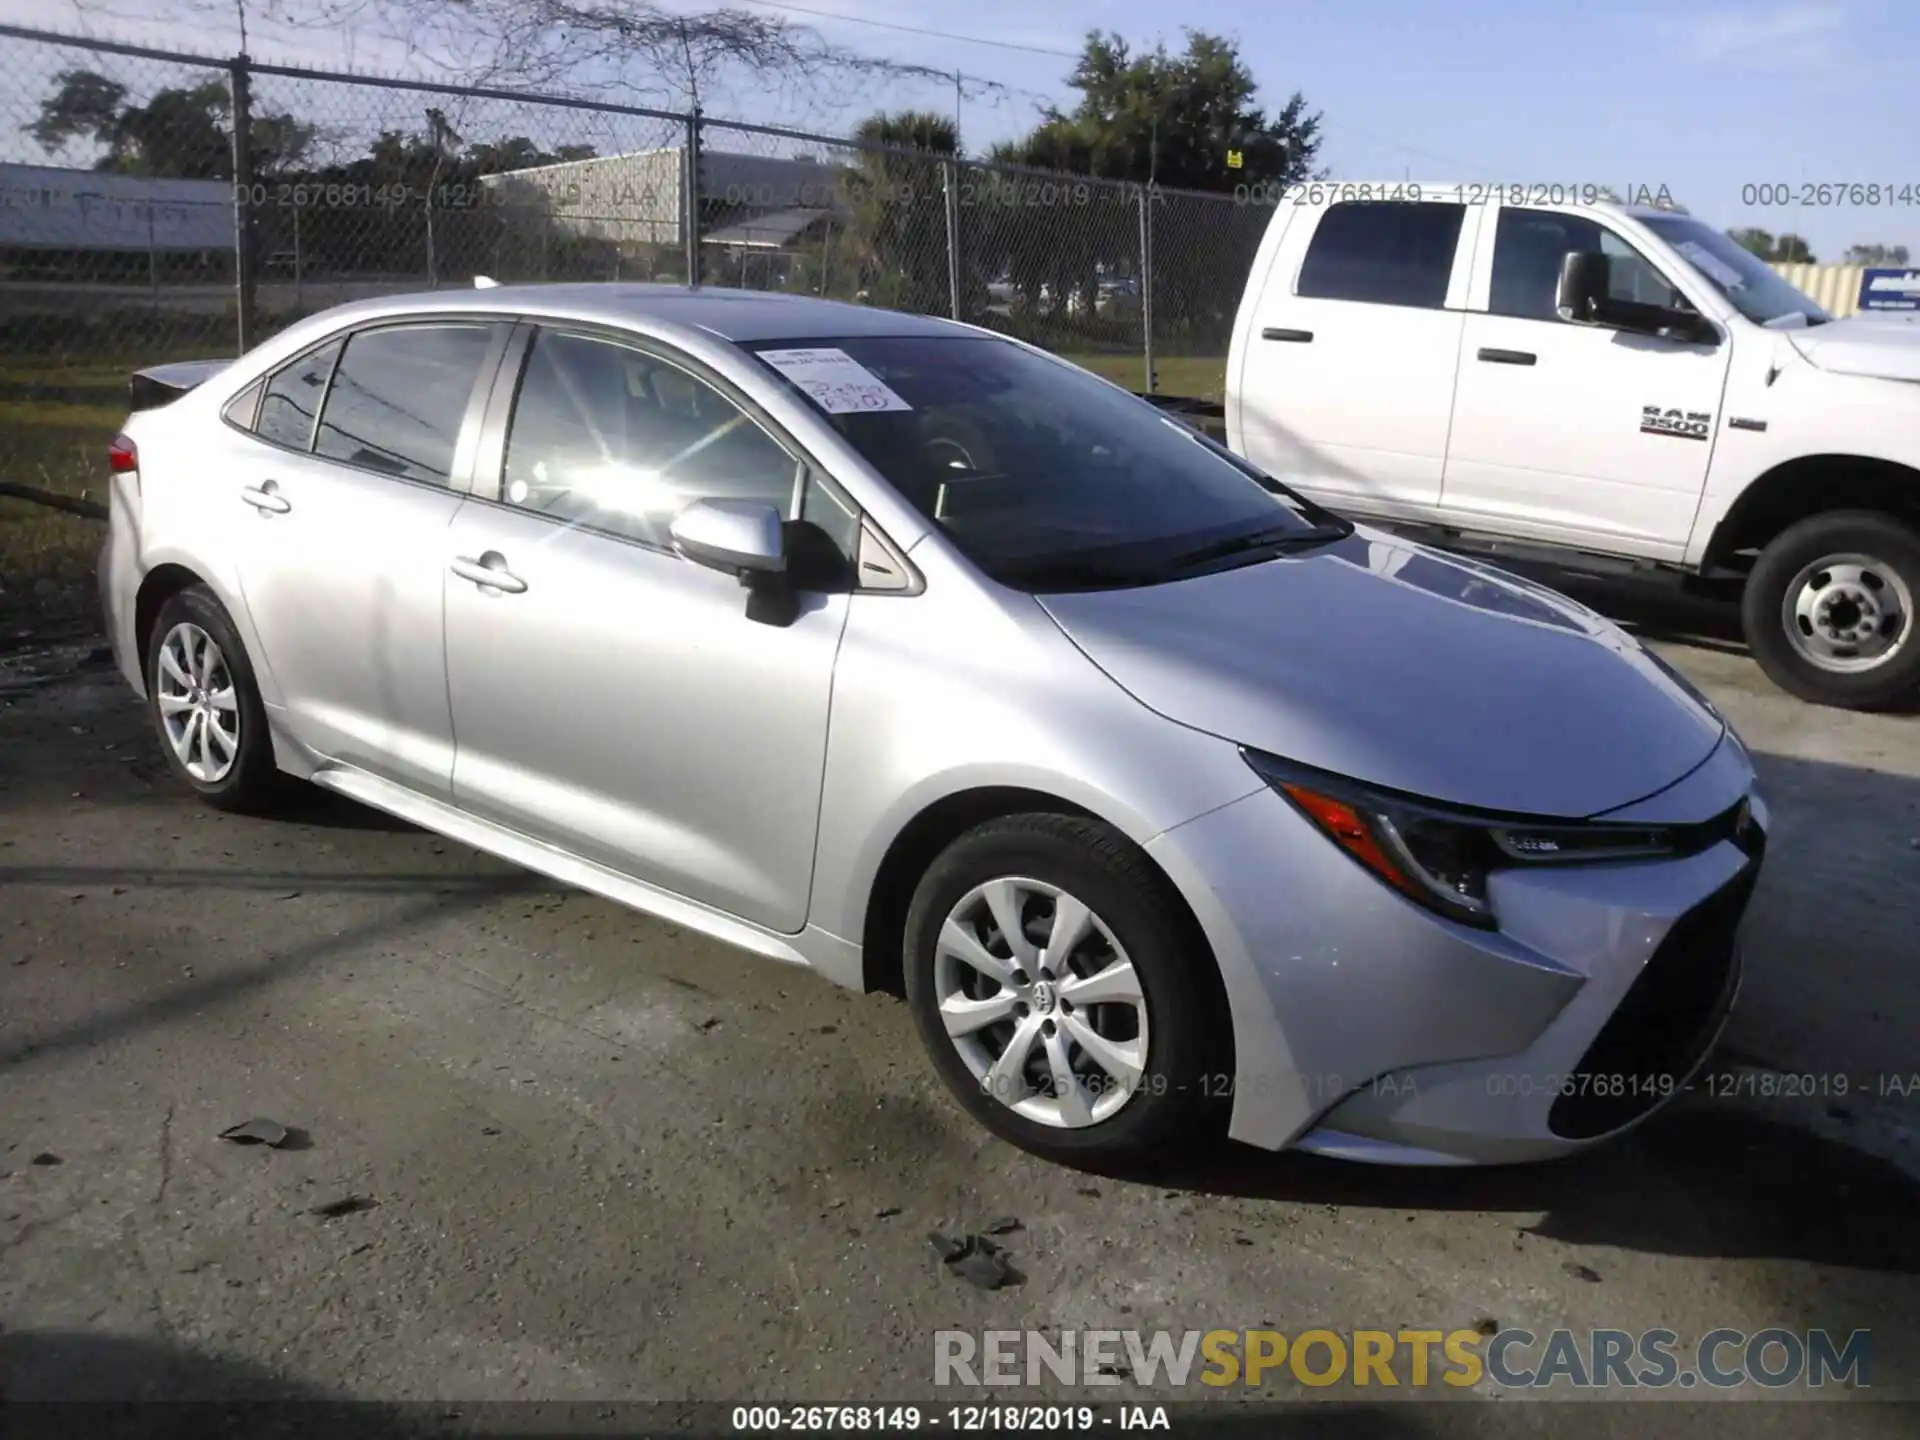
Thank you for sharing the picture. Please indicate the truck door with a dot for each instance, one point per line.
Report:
(1347, 372)
(1572, 433)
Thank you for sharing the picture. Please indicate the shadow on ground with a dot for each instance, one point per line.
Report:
(72, 1383)
(1698, 1180)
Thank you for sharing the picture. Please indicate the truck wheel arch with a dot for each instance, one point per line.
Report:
(1804, 486)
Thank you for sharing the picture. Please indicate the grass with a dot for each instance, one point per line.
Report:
(55, 422)
(1199, 377)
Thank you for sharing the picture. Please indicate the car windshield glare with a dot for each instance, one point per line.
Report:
(1749, 283)
(1044, 476)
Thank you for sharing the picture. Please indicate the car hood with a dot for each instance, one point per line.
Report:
(1860, 345)
(1408, 669)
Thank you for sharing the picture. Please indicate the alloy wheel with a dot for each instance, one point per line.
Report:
(199, 709)
(1041, 1002)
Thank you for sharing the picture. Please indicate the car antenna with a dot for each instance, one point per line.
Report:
(485, 282)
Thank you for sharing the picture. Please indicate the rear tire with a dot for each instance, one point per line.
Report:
(206, 707)
(1829, 610)
(1105, 1054)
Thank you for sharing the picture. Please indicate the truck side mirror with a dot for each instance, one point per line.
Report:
(1586, 276)
(1585, 297)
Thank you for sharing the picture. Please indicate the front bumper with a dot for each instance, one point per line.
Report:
(1368, 1028)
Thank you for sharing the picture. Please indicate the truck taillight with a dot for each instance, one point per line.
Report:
(122, 457)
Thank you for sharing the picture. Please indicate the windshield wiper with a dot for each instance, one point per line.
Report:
(1279, 541)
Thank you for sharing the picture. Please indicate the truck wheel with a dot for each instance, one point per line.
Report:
(1829, 610)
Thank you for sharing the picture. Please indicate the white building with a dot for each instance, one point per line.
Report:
(48, 207)
(638, 199)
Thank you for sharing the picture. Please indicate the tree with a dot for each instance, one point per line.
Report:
(897, 208)
(1775, 250)
(1876, 255)
(180, 132)
(1174, 119)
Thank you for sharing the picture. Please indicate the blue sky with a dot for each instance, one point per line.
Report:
(1703, 98)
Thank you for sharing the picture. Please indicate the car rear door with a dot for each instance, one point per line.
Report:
(356, 460)
(1571, 433)
(610, 697)
(1346, 381)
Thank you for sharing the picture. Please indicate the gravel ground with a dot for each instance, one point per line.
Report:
(591, 1157)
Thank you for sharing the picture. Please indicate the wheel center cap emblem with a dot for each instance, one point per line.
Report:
(1043, 998)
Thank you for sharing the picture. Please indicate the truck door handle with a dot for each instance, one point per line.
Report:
(266, 497)
(489, 571)
(1299, 337)
(1508, 357)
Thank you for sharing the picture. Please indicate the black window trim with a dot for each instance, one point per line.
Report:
(1493, 256)
(490, 456)
(466, 442)
(1452, 265)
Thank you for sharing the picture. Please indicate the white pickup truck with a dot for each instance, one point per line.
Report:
(1600, 386)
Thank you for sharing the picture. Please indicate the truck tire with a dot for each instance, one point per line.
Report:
(1829, 610)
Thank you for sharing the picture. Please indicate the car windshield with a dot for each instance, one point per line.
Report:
(1043, 476)
(1748, 282)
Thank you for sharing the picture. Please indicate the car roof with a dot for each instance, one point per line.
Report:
(737, 315)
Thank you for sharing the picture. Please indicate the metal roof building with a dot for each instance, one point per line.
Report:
(48, 207)
(637, 198)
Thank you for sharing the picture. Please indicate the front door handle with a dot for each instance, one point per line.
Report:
(1507, 357)
(266, 498)
(1298, 337)
(489, 571)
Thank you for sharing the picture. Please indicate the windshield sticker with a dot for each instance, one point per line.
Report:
(1711, 265)
(839, 384)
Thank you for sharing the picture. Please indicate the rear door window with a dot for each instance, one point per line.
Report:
(1383, 252)
(399, 396)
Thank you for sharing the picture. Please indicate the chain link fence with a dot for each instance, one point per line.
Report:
(158, 206)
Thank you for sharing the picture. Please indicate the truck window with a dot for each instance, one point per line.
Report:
(1383, 252)
(1528, 246)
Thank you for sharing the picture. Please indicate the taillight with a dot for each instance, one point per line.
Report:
(122, 457)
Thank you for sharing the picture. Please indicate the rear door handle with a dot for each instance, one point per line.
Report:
(266, 497)
(1298, 337)
(489, 571)
(1508, 357)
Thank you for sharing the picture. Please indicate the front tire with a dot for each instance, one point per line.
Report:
(206, 707)
(1063, 994)
(1829, 610)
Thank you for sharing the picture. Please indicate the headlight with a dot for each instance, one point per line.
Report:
(1440, 856)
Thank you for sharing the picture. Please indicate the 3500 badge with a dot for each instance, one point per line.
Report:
(1687, 424)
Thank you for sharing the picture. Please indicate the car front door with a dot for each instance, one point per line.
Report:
(1346, 384)
(353, 467)
(609, 696)
(1572, 433)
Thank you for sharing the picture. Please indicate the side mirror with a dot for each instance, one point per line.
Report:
(1585, 278)
(742, 537)
(745, 538)
(1584, 296)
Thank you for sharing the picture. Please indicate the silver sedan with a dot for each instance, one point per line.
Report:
(1174, 804)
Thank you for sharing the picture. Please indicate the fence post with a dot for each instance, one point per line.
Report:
(950, 183)
(1146, 283)
(690, 192)
(243, 286)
